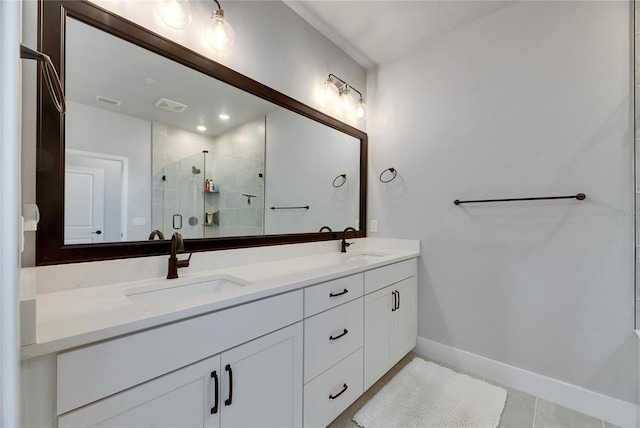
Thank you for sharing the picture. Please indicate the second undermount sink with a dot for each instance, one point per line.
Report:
(175, 291)
(366, 255)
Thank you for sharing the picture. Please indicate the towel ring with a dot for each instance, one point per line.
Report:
(391, 170)
(344, 180)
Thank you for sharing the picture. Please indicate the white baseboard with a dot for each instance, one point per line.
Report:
(574, 397)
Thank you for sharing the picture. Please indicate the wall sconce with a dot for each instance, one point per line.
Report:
(218, 31)
(175, 13)
(337, 90)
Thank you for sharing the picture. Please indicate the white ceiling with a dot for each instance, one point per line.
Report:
(377, 31)
(99, 64)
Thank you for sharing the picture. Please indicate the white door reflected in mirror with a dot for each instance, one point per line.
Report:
(84, 205)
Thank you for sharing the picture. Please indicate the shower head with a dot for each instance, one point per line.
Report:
(195, 170)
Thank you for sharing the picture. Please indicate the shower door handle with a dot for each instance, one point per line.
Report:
(179, 222)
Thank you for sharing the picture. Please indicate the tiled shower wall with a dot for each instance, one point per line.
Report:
(170, 145)
(238, 170)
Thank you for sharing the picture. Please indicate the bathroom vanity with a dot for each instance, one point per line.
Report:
(286, 342)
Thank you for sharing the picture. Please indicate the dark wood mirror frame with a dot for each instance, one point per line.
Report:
(50, 248)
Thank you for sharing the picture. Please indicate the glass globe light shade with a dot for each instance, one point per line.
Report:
(347, 103)
(330, 92)
(361, 109)
(218, 32)
(175, 13)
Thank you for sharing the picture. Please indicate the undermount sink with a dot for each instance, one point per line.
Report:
(366, 255)
(172, 292)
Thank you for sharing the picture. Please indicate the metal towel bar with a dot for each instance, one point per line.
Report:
(291, 208)
(579, 196)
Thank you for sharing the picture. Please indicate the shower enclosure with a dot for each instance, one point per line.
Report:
(184, 197)
(209, 195)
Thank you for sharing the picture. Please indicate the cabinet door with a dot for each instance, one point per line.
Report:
(262, 381)
(405, 318)
(183, 398)
(378, 335)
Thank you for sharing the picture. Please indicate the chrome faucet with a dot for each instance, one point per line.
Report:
(345, 244)
(177, 245)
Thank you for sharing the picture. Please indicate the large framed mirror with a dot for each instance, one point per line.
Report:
(158, 139)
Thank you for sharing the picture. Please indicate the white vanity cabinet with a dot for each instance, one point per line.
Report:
(150, 378)
(390, 317)
(333, 324)
(258, 383)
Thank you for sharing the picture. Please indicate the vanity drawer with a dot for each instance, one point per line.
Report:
(329, 294)
(331, 336)
(319, 408)
(376, 279)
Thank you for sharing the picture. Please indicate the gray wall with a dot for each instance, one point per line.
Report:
(533, 100)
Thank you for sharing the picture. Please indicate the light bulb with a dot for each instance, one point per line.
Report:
(330, 92)
(361, 109)
(175, 13)
(347, 103)
(218, 32)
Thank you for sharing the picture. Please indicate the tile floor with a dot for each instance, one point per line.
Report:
(520, 411)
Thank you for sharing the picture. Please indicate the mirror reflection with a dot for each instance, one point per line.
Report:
(153, 147)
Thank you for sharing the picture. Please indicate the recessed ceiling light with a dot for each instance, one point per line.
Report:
(201, 128)
(224, 116)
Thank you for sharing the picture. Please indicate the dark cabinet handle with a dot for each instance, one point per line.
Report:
(227, 368)
(214, 376)
(398, 306)
(339, 336)
(97, 232)
(395, 302)
(344, 388)
(339, 294)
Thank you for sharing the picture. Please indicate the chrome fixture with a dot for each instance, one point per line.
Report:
(156, 234)
(325, 227)
(50, 76)
(177, 245)
(218, 31)
(345, 244)
(194, 170)
(337, 90)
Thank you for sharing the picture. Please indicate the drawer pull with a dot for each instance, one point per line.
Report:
(395, 301)
(227, 402)
(344, 388)
(398, 305)
(214, 376)
(339, 294)
(339, 336)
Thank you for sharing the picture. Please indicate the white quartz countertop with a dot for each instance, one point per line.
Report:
(71, 318)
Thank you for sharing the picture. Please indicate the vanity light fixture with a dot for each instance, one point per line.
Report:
(175, 13)
(218, 31)
(337, 90)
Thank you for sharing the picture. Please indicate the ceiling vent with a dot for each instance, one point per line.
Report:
(108, 100)
(170, 105)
